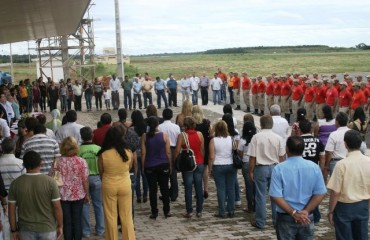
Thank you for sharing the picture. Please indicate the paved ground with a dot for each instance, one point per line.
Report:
(207, 227)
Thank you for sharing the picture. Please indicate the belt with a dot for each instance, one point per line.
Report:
(91, 175)
(336, 159)
(262, 165)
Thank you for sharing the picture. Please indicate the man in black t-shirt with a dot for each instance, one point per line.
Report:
(314, 150)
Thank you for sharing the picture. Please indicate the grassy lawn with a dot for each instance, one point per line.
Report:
(254, 64)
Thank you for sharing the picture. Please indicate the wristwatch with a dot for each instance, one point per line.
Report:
(294, 212)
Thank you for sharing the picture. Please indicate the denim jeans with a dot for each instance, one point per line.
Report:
(224, 176)
(88, 101)
(161, 94)
(288, 229)
(137, 98)
(231, 93)
(316, 215)
(351, 220)
(37, 235)
(138, 179)
(249, 185)
(63, 102)
(127, 99)
(223, 91)
(96, 200)
(262, 178)
(216, 94)
(237, 187)
(332, 164)
(189, 178)
(158, 175)
(147, 97)
(194, 97)
(98, 101)
(72, 219)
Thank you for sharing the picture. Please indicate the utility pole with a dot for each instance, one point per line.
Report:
(120, 68)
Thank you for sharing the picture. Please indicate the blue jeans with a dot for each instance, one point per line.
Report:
(127, 99)
(216, 94)
(88, 101)
(223, 91)
(262, 178)
(161, 93)
(147, 97)
(197, 177)
(224, 176)
(237, 187)
(37, 235)
(316, 215)
(140, 176)
(194, 97)
(351, 220)
(249, 185)
(72, 219)
(332, 164)
(288, 229)
(96, 200)
(63, 102)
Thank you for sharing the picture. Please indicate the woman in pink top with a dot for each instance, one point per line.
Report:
(196, 143)
(75, 189)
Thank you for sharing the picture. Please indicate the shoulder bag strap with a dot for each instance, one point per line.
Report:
(186, 140)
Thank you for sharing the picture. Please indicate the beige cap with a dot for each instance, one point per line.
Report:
(344, 83)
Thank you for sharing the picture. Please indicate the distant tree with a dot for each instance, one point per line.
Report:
(362, 46)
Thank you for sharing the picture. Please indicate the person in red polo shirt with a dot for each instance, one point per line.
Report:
(277, 90)
(320, 99)
(358, 99)
(366, 92)
(297, 95)
(309, 100)
(270, 91)
(286, 91)
(246, 87)
(236, 87)
(255, 95)
(345, 98)
(349, 82)
(332, 96)
(261, 95)
(99, 133)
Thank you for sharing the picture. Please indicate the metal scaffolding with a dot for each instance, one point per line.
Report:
(73, 53)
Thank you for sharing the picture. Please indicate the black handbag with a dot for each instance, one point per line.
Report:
(237, 161)
(185, 161)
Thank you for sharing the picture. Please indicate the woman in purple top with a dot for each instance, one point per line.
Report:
(156, 164)
(326, 125)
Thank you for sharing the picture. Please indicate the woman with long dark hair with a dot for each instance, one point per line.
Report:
(156, 164)
(115, 161)
(359, 122)
(301, 115)
(249, 130)
(326, 125)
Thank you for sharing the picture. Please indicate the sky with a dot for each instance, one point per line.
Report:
(168, 26)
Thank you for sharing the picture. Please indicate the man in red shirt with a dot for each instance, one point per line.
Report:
(99, 133)
(246, 87)
(261, 95)
(366, 92)
(289, 79)
(349, 81)
(320, 99)
(236, 87)
(270, 91)
(358, 99)
(359, 78)
(223, 77)
(277, 90)
(286, 92)
(345, 98)
(255, 95)
(297, 95)
(309, 100)
(332, 97)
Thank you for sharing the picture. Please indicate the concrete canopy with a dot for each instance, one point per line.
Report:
(22, 20)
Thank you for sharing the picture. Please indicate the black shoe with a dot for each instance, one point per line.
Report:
(167, 215)
(173, 199)
(237, 107)
(161, 198)
(153, 216)
(138, 200)
(231, 214)
(145, 199)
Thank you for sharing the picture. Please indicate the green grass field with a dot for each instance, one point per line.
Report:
(254, 64)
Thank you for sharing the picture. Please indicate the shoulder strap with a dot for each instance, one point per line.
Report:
(186, 140)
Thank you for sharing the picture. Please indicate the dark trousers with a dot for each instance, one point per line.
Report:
(53, 103)
(161, 94)
(147, 96)
(158, 176)
(204, 95)
(137, 98)
(127, 99)
(174, 186)
(69, 103)
(98, 102)
(287, 228)
(351, 220)
(72, 219)
(231, 93)
(172, 97)
(43, 103)
(115, 99)
(77, 103)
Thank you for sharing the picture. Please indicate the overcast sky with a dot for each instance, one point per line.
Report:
(197, 25)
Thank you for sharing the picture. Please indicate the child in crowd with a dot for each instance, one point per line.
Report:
(107, 98)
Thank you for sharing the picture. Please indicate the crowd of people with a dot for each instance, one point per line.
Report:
(108, 166)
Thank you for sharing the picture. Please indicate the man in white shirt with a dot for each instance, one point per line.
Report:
(77, 92)
(8, 108)
(114, 85)
(70, 129)
(194, 84)
(185, 88)
(266, 149)
(281, 125)
(173, 131)
(216, 84)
